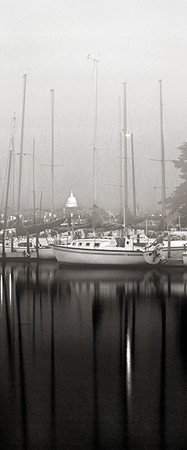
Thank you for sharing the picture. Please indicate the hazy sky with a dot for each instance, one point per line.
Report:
(139, 42)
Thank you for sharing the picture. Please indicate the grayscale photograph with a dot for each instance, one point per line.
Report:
(93, 225)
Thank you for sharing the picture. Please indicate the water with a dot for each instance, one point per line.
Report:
(92, 359)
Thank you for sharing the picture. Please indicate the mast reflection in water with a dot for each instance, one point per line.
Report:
(92, 359)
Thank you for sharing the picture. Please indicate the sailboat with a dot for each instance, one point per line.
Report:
(174, 244)
(25, 243)
(104, 251)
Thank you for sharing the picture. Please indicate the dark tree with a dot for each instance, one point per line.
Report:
(177, 202)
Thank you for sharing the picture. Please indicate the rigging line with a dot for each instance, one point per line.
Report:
(39, 120)
(4, 183)
(148, 144)
(75, 138)
(113, 130)
(150, 115)
(4, 158)
(168, 132)
(76, 144)
(79, 132)
(172, 146)
(57, 129)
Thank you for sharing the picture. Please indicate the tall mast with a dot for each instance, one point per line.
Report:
(8, 180)
(162, 156)
(13, 162)
(52, 151)
(95, 60)
(125, 143)
(124, 185)
(33, 177)
(21, 148)
(120, 156)
(52, 165)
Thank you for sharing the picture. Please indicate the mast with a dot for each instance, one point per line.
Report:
(13, 162)
(21, 148)
(120, 156)
(125, 143)
(8, 180)
(41, 197)
(95, 60)
(52, 151)
(133, 175)
(33, 167)
(124, 184)
(162, 156)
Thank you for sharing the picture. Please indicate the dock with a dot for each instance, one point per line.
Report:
(23, 256)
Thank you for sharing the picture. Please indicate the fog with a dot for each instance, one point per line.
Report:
(138, 42)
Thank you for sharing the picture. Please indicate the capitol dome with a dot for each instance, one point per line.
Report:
(71, 201)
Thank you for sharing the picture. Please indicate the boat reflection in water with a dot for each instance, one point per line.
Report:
(92, 359)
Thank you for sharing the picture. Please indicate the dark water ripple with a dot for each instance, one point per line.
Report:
(92, 358)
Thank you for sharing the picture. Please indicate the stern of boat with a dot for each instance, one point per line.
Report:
(154, 256)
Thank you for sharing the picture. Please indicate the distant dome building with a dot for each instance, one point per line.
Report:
(71, 202)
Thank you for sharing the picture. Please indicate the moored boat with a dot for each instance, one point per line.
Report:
(105, 252)
(21, 247)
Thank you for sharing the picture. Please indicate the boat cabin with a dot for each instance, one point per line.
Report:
(93, 243)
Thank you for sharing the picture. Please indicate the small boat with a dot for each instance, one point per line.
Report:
(20, 246)
(105, 252)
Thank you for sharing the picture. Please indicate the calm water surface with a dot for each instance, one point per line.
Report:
(92, 359)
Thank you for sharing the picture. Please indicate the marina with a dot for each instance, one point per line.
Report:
(93, 225)
(109, 255)
(100, 249)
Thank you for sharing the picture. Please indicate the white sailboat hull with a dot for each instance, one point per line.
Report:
(105, 257)
(43, 252)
